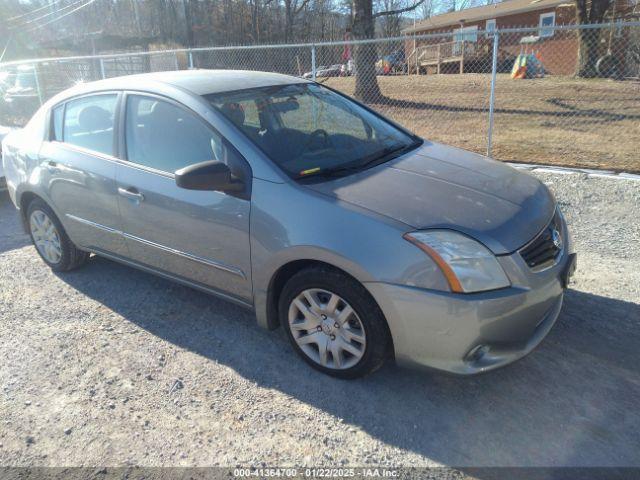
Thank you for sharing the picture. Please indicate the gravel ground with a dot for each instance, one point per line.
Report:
(111, 366)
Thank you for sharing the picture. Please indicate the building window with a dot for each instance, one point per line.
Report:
(547, 20)
(490, 27)
(467, 34)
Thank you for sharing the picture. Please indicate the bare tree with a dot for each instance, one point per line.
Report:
(391, 24)
(363, 27)
(427, 9)
(292, 8)
(456, 5)
(589, 11)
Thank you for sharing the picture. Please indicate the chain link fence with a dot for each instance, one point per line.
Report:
(563, 95)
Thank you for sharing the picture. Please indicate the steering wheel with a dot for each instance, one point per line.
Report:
(317, 133)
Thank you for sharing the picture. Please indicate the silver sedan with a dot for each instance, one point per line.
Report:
(362, 240)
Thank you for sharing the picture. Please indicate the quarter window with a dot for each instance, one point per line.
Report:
(58, 114)
(88, 122)
(166, 137)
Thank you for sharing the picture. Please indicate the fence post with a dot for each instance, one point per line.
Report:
(492, 96)
(313, 62)
(36, 73)
(190, 60)
(102, 68)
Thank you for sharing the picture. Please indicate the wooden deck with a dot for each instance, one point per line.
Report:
(441, 54)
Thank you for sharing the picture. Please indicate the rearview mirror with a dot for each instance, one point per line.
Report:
(210, 175)
(284, 106)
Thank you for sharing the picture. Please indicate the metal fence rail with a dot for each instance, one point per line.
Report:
(510, 93)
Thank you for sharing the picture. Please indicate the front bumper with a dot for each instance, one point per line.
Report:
(467, 334)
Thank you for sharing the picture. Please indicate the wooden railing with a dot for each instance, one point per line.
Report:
(439, 53)
(443, 51)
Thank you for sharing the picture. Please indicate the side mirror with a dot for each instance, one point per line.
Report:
(210, 175)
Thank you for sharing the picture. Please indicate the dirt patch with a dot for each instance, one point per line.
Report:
(553, 120)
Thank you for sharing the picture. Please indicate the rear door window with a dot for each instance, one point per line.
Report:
(88, 123)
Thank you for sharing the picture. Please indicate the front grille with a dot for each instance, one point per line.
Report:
(544, 250)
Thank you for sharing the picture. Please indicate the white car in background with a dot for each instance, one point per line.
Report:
(4, 131)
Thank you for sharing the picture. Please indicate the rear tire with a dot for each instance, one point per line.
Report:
(50, 239)
(333, 323)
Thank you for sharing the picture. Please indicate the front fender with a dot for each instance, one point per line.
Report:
(292, 223)
(262, 280)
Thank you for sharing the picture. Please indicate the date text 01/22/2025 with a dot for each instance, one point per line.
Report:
(316, 473)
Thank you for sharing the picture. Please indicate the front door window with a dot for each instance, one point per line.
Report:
(166, 137)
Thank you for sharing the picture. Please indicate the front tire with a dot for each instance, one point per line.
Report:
(333, 323)
(50, 239)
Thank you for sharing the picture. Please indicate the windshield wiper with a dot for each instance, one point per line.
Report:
(369, 161)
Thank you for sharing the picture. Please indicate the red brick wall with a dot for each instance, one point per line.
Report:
(558, 53)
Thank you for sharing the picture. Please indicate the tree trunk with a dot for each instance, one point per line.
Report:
(367, 89)
(588, 53)
(592, 11)
(288, 21)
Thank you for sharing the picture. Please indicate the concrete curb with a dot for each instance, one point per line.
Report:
(569, 171)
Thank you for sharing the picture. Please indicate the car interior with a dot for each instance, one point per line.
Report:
(293, 148)
(93, 129)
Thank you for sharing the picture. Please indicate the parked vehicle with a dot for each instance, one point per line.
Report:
(323, 72)
(360, 239)
(6, 80)
(4, 131)
(346, 70)
(20, 93)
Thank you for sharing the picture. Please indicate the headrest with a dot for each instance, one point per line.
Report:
(234, 112)
(93, 118)
(162, 109)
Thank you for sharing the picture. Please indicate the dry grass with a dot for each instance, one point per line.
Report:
(554, 120)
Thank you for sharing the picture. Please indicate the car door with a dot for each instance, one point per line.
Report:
(202, 236)
(78, 169)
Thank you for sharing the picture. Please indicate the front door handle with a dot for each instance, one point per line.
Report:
(131, 193)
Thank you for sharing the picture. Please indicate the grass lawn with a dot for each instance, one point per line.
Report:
(559, 121)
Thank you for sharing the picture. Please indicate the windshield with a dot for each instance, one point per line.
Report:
(310, 130)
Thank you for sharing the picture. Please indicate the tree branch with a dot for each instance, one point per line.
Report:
(399, 10)
(299, 9)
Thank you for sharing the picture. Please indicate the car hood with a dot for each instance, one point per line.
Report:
(438, 186)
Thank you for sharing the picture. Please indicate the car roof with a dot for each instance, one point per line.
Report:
(199, 82)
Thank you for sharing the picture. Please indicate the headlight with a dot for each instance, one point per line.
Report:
(467, 265)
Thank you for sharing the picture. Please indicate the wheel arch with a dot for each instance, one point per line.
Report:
(279, 279)
(286, 271)
(24, 197)
(24, 201)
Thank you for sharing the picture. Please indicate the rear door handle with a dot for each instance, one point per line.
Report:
(52, 166)
(131, 193)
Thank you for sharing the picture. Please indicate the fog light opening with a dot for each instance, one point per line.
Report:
(477, 352)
